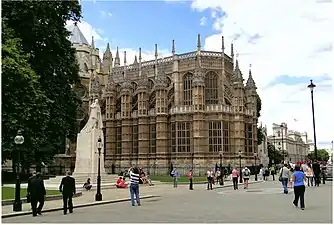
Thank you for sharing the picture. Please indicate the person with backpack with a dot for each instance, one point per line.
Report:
(246, 174)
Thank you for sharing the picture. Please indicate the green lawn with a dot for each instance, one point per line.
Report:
(9, 193)
(181, 179)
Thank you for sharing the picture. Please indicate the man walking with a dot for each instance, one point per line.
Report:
(175, 176)
(190, 177)
(246, 174)
(209, 174)
(316, 171)
(67, 188)
(284, 176)
(37, 193)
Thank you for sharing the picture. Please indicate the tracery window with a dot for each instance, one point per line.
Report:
(248, 138)
(226, 142)
(135, 139)
(187, 89)
(215, 136)
(119, 140)
(211, 88)
(153, 138)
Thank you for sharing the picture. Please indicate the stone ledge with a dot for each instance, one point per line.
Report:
(14, 214)
(47, 198)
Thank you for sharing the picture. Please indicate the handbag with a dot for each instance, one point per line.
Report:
(28, 198)
(280, 176)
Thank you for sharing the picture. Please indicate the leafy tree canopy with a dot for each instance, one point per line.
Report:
(322, 155)
(24, 105)
(40, 25)
(274, 154)
(258, 110)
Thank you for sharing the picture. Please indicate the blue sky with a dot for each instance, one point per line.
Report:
(134, 24)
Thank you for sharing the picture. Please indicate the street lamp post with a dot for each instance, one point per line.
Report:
(240, 180)
(282, 133)
(18, 140)
(255, 156)
(311, 86)
(221, 167)
(274, 140)
(98, 196)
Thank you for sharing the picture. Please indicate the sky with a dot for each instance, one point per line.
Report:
(286, 42)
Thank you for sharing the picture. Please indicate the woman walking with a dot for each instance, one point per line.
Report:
(309, 175)
(235, 175)
(134, 186)
(298, 178)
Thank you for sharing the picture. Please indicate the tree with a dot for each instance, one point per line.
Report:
(322, 155)
(41, 27)
(24, 105)
(273, 154)
(258, 110)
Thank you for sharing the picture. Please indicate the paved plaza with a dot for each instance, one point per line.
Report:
(261, 203)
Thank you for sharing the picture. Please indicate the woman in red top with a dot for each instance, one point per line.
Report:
(190, 177)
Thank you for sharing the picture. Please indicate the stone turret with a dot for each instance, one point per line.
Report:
(107, 60)
(117, 59)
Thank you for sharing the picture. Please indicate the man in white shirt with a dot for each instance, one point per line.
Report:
(210, 176)
(246, 174)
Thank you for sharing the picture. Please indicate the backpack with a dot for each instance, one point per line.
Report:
(246, 173)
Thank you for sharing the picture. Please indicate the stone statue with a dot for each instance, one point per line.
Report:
(95, 120)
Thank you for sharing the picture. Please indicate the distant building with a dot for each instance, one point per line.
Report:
(295, 145)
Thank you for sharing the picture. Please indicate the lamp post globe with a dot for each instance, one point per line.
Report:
(18, 140)
(311, 86)
(240, 177)
(98, 196)
(255, 171)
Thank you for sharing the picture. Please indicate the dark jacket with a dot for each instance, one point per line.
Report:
(36, 187)
(67, 186)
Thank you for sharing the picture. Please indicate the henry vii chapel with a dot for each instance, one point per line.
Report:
(186, 109)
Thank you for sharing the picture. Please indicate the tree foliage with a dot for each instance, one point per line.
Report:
(40, 25)
(273, 154)
(322, 155)
(24, 105)
(258, 110)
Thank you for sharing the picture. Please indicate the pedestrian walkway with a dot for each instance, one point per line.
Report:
(88, 197)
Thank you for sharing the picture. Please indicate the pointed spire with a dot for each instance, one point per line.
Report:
(124, 66)
(76, 36)
(250, 84)
(156, 51)
(140, 55)
(117, 59)
(107, 53)
(124, 58)
(93, 44)
(198, 44)
(223, 46)
(136, 61)
(173, 47)
(232, 52)
(237, 75)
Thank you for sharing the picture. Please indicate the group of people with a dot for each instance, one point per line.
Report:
(36, 193)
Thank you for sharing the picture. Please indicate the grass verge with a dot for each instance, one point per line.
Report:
(181, 179)
(9, 193)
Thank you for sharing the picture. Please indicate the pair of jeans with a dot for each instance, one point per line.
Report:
(285, 184)
(175, 181)
(210, 183)
(67, 203)
(134, 190)
(299, 194)
(309, 180)
(235, 183)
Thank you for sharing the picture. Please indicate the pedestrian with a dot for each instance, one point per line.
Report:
(37, 192)
(309, 175)
(262, 175)
(316, 170)
(134, 186)
(190, 177)
(284, 178)
(218, 176)
(175, 176)
(290, 176)
(299, 178)
(272, 171)
(235, 175)
(209, 174)
(246, 174)
(67, 188)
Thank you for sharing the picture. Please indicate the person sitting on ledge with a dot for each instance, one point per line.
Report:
(122, 184)
(119, 180)
(87, 185)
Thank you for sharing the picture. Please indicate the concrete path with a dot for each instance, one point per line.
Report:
(111, 195)
(261, 203)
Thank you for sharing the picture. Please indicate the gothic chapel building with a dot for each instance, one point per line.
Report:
(184, 110)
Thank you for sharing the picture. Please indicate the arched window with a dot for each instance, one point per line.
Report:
(211, 88)
(187, 89)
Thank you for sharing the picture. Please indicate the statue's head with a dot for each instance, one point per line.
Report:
(96, 101)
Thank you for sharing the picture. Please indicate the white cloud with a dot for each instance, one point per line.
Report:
(203, 21)
(290, 33)
(105, 14)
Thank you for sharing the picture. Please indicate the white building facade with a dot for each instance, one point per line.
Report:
(293, 144)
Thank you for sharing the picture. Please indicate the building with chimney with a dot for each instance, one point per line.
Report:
(184, 110)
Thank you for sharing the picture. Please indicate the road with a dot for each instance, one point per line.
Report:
(261, 203)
